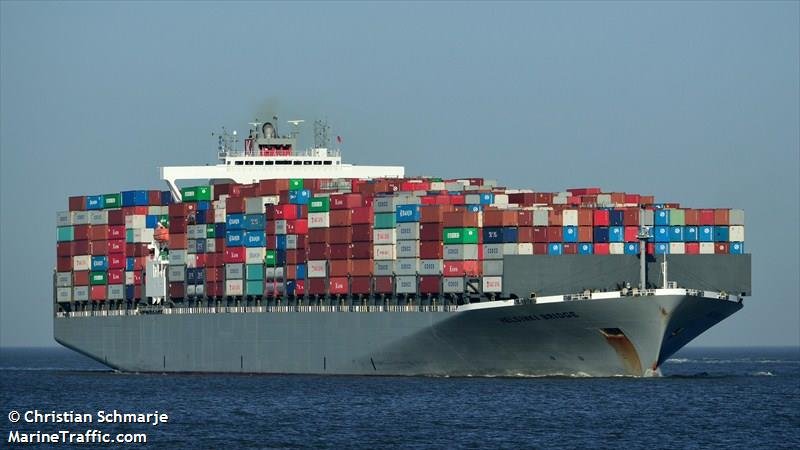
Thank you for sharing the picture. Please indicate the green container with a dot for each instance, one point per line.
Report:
(271, 259)
(196, 193)
(164, 220)
(319, 204)
(385, 220)
(677, 217)
(129, 235)
(460, 235)
(66, 234)
(98, 278)
(295, 184)
(254, 287)
(211, 231)
(112, 201)
(254, 272)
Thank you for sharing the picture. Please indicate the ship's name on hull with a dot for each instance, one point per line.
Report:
(534, 317)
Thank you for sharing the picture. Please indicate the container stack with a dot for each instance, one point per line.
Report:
(341, 238)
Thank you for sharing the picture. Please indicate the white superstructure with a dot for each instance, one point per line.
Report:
(266, 156)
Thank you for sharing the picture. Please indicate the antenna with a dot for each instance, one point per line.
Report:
(321, 130)
(295, 127)
(256, 126)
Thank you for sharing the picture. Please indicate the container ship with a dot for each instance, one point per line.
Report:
(295, 262)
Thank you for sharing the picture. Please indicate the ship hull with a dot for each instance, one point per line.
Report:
(599, 337)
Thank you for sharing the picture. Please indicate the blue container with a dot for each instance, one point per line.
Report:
(234, 238)
(721, 234)
(130, 263)
(151, 221)
(632, 248)
(200, 218)
(280, 241)
(257, 239)
(617, 218)
(200, 246)
(290, 287)
(473, 208)
(129, 291)
(300, 271)
(219, 230)
(299, 197)
(706, 233)
(601, 234)
(585, 249)
(195, 276)
(662, 217)
(94, 202)
(616, 234)
(280, 255)
(500, 235)
(690, 233)
(662, 248)
(166, 198)
(99, 263)
(487, 198)
(407, 213)
(676, 234)
(203, 205)
(254, 222)
(190, 276)
(234, 222)
(134, 198)
(569, 233)
(555, 249)
(661, 234)
(736, 248)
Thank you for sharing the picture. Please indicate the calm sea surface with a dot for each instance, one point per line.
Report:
(706, 398)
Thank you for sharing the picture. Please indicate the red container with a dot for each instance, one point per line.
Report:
(570, 249)
(345, 201)
(631, 234)
(271, 187)
(631, 217)
(540, 248)
(116, 262)
(555, 234)
(360, 285)
(116, 246)
(362, 232)
(176, 290)
(585, 234)
(430, 231)
(98, 232)
(617, 198)
(98, 248)
(97, 293)
(116, 217)
(285, 212)
(234, 255)
(64, 249)
(297, 226)
(213, 274)
(632, 198)
(293, 257)
(692, 248)
(136, 249)
(81, 248)
(142, 210)
(316, 286)
(153, 198)
(601, 218)
(647, 200)
(540, 234)
(362, 250)
(178, 241)
(555, 218)
(383, 285)
(177, 225)
(431, 250)
(340, 235)
(361, 267)
(340, 251)
(362, 215)
(80, 232)
(522, 198)
(721, 248)
(80, 278)
(77, 203)
(179, 209)
(338, 268)
(525, 234)
(116, 276)
(461, 268)
(721, 217)
(338, 285)
(317, 235)
(706, 217)
(235, 205)
(116, 232)
(214, 289)
(319, 251)
(543, 197)
(340, 218)
(64, 263)
(430, 284)
(460, 219)
(601, 248)
(525, 218)
(691, 216)
(500, 218)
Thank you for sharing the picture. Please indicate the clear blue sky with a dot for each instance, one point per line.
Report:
(698, 103)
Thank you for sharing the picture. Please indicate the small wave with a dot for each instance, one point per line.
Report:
(678, 360)
(763, 374)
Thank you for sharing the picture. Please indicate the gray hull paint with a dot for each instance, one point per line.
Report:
(518, 340)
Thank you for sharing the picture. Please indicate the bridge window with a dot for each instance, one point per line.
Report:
(306, 163)
(269, 163)
(283, 162)
(239, 163)
(317, 163)
(259, 163)
(328, 163)
(297, 163)
(248, 163)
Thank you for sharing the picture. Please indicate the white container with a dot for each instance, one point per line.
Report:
(560, 200)
(460, 252)
(736, 217)
(191, 261)
(319, 220)
(196, 231)
(408, 249)
(603, 199)
(438, 186)
(143, 235)
(136, 221)
(63, 219)
(79, 217)
(570, 217)
(383, 268)
(81, 262)
(234, 287)
(676, 248)
(199, 289)
(492, 251)
(116, 292)
(540, 217)
(177, 258)
(63, 279)
(191, 290)
(63, 294)
(271, 199)
(706, 248)
(291, 241)
(234, 271)
(176, 273)
(452, 284)
(80, 293)
(406, 266)
(255, 255)
(317, 269)
(254, 205)
(219, 215)
(191, 246)
(383, 204)
(129, 277)
(525, 248)
(98, 217)
(500, 200)
(384, 236)
(211, 245)
(405, 284)
(273, 273)
(153, 210)
(646, 217)
(617, 248)
(492, 284)
(408, 231)
(430, 267)
(280, 226)
(736, 233)
(383, 252)
(493, 267)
